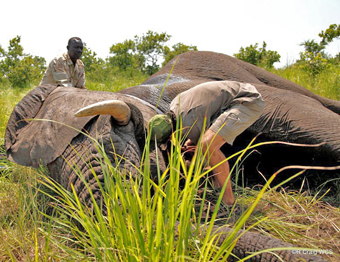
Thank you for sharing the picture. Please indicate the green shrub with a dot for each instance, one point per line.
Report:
(326, 83)
(314, 59)
(145, 52)
(20, 69)
(258, 56)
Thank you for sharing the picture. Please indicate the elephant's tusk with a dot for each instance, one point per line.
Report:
(118, 109)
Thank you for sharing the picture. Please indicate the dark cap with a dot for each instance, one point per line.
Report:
(160, 127)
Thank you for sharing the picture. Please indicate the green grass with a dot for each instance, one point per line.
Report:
(112, 80)
(40, 220)
(326, 84)
(35, 212)
(9, 98)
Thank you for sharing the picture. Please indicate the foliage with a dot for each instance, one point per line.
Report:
(144, 53)
(151, 47)
(314, 59)
(330, 34)
(141, 53)
(258, 56)
(90, 60)
(18, 68)
(177, 49)
(9, 98)
(326, 83)
(125, 55)
(314, 48)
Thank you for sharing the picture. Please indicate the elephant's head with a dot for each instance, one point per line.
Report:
(43, 129)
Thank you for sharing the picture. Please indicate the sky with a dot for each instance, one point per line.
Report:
(221, 26)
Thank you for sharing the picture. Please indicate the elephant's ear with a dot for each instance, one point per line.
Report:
(43, 123)
(26, 109)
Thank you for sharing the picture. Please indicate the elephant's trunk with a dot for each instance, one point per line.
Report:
(251, 242)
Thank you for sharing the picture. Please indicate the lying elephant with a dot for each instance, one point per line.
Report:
(292, 114)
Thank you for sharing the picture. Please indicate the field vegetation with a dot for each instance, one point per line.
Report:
(35, 212)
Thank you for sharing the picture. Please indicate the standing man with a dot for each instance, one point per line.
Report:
(68, 69)
(223, 110)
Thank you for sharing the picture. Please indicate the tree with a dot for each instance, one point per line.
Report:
(313, 47)
(314, 59)
(151, 48)
(258, 56)
(313, 64)
(20, 68)
(145, 53)
(142, 53)
(330, 34)
(90, 59)
(124, 55)
(177, 49)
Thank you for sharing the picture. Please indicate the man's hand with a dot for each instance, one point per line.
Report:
(188, 150)
(188, 146)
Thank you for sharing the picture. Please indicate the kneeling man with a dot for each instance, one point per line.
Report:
(223, 110)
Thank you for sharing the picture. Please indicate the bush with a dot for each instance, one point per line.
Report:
(144, 53)
(91, 61)
(18, 68)
(258, 56)
(326, 83)
(314, 59)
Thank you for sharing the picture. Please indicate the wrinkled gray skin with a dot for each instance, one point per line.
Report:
(292, 114)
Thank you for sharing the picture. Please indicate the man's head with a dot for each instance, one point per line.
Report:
(160, 127)
(75, 48)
